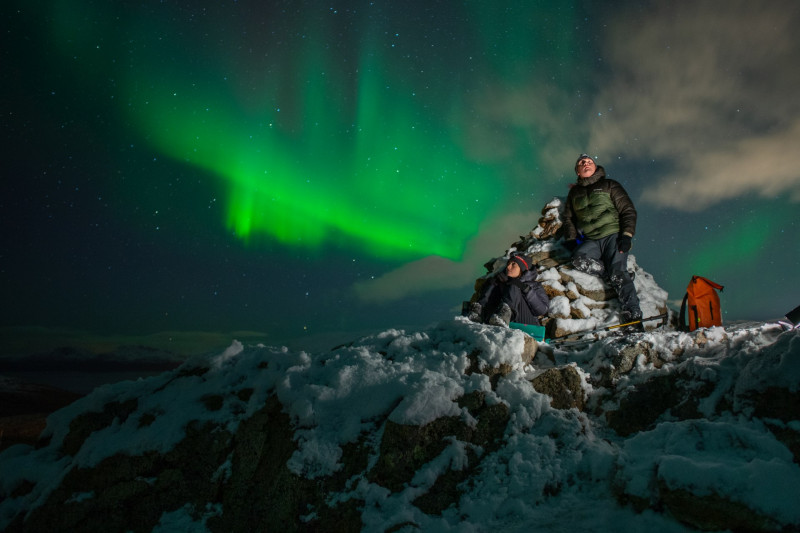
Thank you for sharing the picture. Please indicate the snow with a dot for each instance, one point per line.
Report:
(555, 470)
(740, 461)
(559, 306)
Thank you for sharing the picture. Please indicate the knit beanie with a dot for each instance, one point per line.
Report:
(523, 262)
(583, 156)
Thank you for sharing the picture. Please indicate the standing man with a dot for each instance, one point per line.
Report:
(600, 212)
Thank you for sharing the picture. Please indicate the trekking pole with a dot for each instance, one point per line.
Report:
(657, 317)
(563, 338)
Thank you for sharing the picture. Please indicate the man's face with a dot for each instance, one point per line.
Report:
(586, 167)
(513, 270)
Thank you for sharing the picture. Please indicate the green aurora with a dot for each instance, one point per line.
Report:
(245, 164)
(338, 131)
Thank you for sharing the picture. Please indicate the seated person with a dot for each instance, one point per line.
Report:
(511, 296)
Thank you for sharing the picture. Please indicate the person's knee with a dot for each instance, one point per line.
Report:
(618, 278)
(588, 265)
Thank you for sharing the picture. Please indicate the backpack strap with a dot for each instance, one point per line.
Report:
(682, 324)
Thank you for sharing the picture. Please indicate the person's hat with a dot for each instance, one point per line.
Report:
(583, 156)
(523, 262)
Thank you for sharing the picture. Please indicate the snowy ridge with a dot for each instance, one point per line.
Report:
(656, 421)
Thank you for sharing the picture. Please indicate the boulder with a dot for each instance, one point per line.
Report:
(563, 385)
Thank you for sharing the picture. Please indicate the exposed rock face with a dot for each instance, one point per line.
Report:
(406, 448)
(563, 385)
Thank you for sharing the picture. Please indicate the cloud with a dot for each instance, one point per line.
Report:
(710, 93)
(759, 165)
(707, 91)
(437, 273)
(507, 121)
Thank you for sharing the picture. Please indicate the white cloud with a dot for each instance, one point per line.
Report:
(710, 91)
(502, 112)
(760, 164)
(436, 273)
(706, 89)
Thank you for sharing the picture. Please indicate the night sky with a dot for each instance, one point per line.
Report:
(317, 170)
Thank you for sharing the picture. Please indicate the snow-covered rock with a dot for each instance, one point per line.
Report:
(453, 428)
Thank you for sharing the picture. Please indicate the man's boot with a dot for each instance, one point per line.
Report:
(630, 316)
(475, 312)
(502, 317)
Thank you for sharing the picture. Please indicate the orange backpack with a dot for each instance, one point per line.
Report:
(703, 304)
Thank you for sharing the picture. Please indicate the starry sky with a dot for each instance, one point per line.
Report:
(310, 171)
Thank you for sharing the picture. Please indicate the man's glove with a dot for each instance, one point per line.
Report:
(502, 277)
(571, 245)
(624, 243)
(524, 287)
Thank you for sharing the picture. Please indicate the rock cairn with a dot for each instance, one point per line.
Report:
(578, 301)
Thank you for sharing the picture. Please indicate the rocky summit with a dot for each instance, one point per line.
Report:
(456, 427)
(459, 427)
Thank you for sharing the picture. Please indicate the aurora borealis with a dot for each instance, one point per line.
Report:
(360, 99)
(295, 168)
(291, 168)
